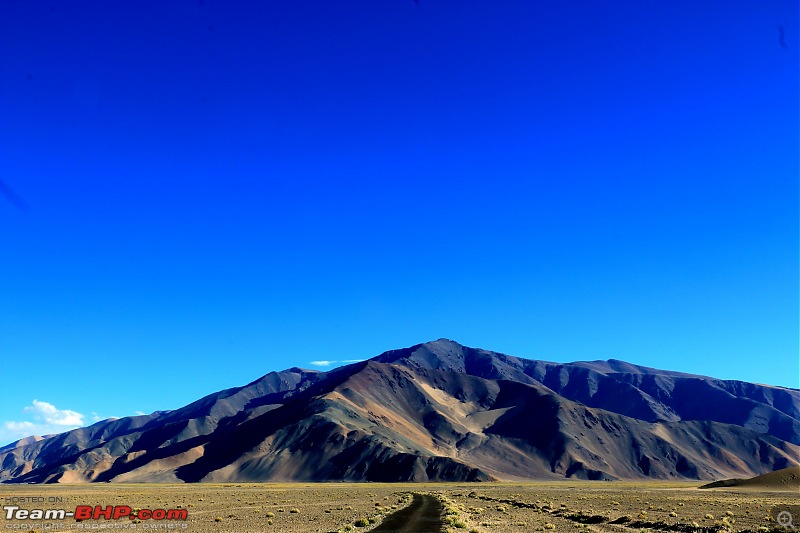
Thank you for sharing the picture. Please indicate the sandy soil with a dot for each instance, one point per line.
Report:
(620, 507)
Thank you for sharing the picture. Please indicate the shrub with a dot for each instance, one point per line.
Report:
(361, 522)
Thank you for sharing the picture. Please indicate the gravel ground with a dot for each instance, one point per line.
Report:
(338, 507)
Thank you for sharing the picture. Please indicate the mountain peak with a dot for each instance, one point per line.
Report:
(441, 354)
(444, 341)
(298, 370)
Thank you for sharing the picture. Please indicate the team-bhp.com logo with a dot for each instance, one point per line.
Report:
(88, 512)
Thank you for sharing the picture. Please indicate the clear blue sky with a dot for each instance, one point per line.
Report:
(217, 189)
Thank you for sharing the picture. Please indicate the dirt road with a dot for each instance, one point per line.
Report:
(424, 515)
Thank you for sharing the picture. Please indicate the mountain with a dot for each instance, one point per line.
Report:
(438, 411)
(786, 479)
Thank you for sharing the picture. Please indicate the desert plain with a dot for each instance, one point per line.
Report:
(562, 506)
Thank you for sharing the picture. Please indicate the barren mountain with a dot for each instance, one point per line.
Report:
(438, 411)
(786, 479)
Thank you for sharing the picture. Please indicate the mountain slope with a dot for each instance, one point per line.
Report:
(635, 391)
(438, 411)
(786, 479)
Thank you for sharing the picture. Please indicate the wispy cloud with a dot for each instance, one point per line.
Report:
(97, 418)
(325, 362)
(24, 428)
(45, 419)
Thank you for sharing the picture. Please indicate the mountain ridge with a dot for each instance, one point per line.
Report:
(437, 411)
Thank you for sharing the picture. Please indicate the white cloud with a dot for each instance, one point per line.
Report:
(46, 418)
(325, 362)
(139, 413)
(57, 417)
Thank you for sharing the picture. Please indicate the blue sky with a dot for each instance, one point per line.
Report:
(198, 193)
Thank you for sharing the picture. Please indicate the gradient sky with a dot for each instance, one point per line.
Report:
(200, 192)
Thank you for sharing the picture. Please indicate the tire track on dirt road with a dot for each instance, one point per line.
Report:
(424, 515)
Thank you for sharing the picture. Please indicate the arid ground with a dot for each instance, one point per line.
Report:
(621, 507)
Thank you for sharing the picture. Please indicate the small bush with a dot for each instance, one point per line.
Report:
(361, 522)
